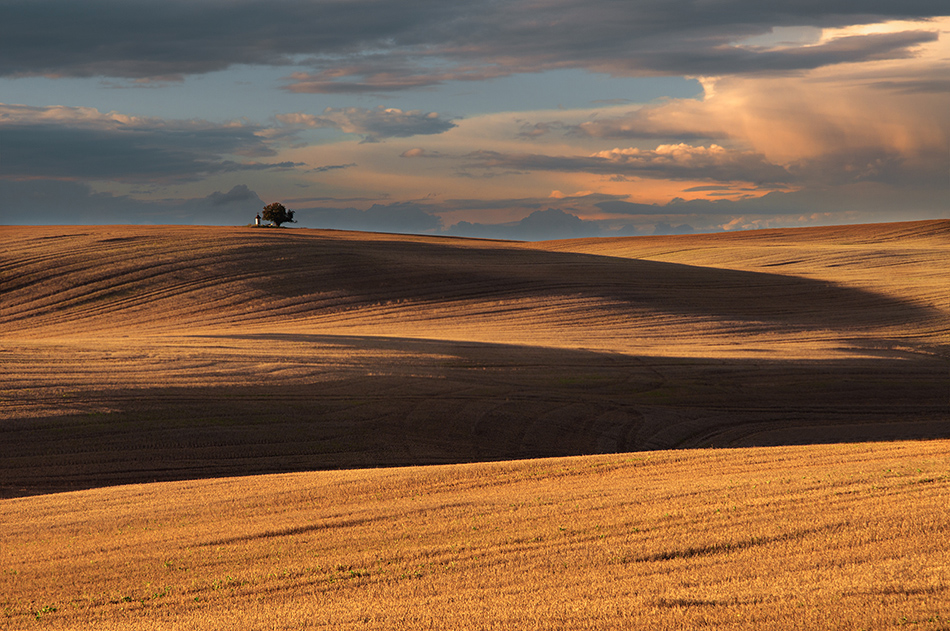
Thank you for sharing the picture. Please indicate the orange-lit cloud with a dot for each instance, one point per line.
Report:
(852, 115)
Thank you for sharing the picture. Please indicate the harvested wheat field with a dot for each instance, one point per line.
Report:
(814, 537)
(183, 356)
(139, 354)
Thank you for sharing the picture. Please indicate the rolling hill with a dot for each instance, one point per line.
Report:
(142, 366)
(134, 354)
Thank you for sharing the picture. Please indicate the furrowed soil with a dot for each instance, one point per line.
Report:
(183, 356)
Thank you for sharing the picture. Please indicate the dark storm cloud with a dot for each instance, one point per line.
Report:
(63, 142)
(378, 45)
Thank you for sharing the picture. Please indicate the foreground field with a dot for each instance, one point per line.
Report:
(817, 537)
(143, 353)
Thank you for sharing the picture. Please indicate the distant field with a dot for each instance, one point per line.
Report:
(135, 354)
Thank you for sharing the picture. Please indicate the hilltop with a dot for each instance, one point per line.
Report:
(135, 353)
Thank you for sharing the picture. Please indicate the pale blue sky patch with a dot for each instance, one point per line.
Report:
(253, 92)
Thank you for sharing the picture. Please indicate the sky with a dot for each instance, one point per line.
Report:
(515, 119)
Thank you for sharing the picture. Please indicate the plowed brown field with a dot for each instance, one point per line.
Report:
(132, 354)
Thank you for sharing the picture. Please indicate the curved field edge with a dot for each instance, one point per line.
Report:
(834, 537)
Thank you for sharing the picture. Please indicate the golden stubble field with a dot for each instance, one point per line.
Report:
(179, 356)
(806, 537)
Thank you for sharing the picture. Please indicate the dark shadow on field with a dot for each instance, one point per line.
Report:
(384, 271)
(465, 402)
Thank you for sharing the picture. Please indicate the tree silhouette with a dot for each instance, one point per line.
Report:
(277, 214)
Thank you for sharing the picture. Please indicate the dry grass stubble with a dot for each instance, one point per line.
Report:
(133, 354)
(831, 537)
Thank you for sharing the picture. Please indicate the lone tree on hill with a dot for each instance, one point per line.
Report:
(278, 214)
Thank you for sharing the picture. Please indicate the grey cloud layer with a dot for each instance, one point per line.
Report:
(414, 43)
(151, 38)
(64, 142)
(676, 162)
(716, 164)
(64, 202)
(372, 124)
(75, 142)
